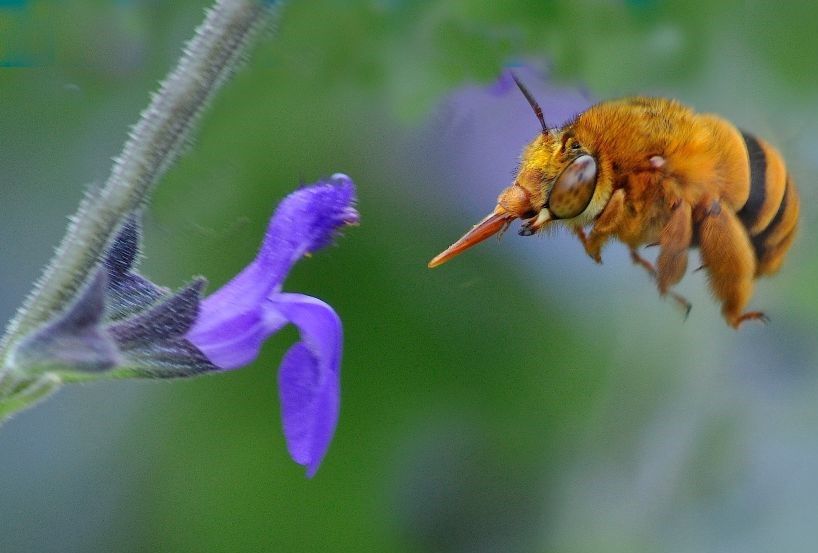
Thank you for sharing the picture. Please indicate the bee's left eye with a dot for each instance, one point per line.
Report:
(573, 189)
(575, 146)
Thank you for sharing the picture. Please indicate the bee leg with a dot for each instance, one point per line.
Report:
(535, 224)
(604, 226)
(611, 216)
(642, 262)
(651, 270)
(753, 316)
(674, 242)
(592, 249)
(728, 256)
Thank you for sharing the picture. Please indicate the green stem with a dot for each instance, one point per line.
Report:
(153, 145)
(26, 393)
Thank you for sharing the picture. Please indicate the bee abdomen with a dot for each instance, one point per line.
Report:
(770, 214)
(772, 243)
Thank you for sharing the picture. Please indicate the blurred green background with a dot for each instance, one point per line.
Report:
(519, 399)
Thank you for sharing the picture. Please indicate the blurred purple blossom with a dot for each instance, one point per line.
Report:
(235, 320)
(482, 128)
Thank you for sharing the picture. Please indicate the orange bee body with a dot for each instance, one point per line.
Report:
(651, 171)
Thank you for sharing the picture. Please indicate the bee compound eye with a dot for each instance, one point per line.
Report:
(573, 189)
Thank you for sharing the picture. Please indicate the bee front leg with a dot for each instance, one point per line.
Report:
(593, 249)
(729, 259)
(604, 226)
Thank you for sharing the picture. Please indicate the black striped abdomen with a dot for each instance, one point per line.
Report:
(770, 214)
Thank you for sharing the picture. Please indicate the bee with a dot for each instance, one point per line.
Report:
(651, 171)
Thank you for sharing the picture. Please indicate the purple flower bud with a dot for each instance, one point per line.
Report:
(234, 321)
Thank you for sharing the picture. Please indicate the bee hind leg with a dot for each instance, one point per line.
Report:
(753, 316)
(728, 256)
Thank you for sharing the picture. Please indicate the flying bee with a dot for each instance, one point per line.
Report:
(651, 171)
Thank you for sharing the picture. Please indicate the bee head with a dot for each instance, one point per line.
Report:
(556, 179)
(558, 176)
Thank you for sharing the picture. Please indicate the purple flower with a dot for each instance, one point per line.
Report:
(234, 321)
(122, 325)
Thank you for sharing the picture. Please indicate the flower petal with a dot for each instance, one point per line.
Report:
(309, 378)
(304, 222)
(234, 321)
(236, 341)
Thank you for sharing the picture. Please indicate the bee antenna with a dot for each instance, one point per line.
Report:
(534, 105)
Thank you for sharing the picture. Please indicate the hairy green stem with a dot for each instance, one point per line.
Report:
(27, 394)
(153, 145)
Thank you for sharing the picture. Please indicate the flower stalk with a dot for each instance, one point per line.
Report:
(219, 45)
(154, 143)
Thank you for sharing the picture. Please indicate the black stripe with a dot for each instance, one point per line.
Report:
(758, 176)
(759, 239)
